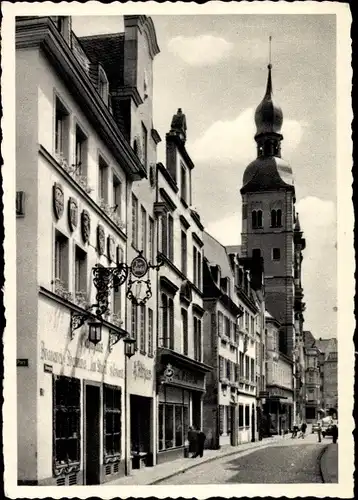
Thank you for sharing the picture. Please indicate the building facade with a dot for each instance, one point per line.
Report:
(269, 218)
(313, 396)
(179, 362)
(233, 329)
(278, 406)
(77, 169)
(328, 360)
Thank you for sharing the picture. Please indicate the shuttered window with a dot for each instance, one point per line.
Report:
(221, 419)
(220, 324)
(221, 367)
(228, 419)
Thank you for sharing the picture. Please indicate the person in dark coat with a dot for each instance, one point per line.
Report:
(303, 430)
(334, 433)
(193, 439)
(200, 444)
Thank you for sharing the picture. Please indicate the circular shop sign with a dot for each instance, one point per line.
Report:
(139, 266)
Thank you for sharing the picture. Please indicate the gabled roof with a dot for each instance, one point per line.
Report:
(107, 50)
(309, 339)
(216, 254)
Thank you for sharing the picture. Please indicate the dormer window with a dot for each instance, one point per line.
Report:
(103, 84)
(276, 218)
(256, 219)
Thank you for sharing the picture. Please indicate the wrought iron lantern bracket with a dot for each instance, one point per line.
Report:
(113, 339)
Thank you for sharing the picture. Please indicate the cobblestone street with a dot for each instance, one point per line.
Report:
(287, 461)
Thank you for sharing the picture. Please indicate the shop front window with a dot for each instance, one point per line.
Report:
(112, 420)
(173, 424)
(161, 428)
(169, 426)
(67, 417)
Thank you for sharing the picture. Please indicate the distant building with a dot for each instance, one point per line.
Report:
(313, 399)
(278, 408)
(234, 327)
(329, 374)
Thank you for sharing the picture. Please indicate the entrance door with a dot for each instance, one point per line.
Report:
(196, 410)
(233, 436)
(253, 424)
(92, 444)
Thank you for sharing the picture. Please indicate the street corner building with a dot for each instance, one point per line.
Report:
(86, 411)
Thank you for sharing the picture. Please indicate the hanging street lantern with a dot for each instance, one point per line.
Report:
(129, 346)
(95, 332)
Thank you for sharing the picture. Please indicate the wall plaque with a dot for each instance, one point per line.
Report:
(72, 213)
(85, 225)
(101, 239)
(111, 248)
(58, 200)
(22, 362)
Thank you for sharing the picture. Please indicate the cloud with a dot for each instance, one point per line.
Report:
(203, 50)
(227, 140)
(226, 230)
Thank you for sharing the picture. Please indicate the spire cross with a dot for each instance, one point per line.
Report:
(270, 41)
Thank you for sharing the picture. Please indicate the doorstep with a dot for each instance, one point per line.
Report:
(156, 474)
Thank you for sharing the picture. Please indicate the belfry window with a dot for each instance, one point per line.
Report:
(256, 219)
(276, 218)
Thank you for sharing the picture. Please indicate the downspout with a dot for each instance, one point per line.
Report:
(126, 444)
(157, 316)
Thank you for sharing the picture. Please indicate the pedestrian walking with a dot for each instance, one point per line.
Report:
(201, 443)
(334, 433)
(303, 430)
(294, 432)
(319, 432)
(193, 441)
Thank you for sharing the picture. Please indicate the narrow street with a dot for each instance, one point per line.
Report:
(287, 462)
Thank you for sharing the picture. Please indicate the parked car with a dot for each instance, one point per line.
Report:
(328, 430)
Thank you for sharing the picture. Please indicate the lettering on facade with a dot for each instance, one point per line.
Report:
(140, 371)
(139, 266)
(175, 375)
(66, 359)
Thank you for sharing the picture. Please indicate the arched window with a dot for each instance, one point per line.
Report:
(254, 219)
(276, 218)
(259, 218)
(279, 217)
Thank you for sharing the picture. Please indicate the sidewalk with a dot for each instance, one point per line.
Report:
(329, 464)
(152, 475)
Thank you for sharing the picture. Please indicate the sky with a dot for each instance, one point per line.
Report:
(215, 68)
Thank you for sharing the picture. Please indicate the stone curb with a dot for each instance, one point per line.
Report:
(211, 459)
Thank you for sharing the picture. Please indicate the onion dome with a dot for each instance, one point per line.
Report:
(267, 173)
(268, 115)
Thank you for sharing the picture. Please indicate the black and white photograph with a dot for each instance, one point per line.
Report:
(179, 273)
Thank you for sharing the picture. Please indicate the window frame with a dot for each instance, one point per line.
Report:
(116, 414)
(143, 218)
(134, 221)
(274, 257)
(80, 273)
(62, 115)
(66, 410)
(61, 258)
(103, 170)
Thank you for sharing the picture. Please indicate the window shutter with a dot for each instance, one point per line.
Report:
(164, 234)
(220, 324)
(228, 419)
(221, 367)
(221, 419)
(237, 372)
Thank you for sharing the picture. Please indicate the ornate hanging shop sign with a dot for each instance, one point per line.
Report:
(58, 200)
(139, 287)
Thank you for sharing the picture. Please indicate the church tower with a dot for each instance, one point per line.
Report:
(268, 216)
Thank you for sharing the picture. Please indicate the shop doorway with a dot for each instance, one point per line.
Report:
(253, 424)
(92, 428)
(140, 411)
(234, 429)
(196, 410)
